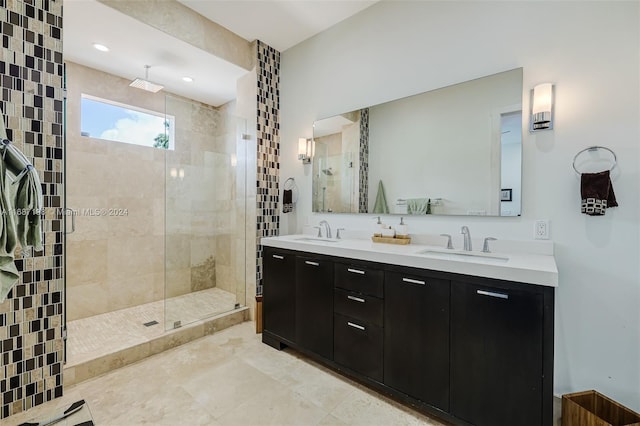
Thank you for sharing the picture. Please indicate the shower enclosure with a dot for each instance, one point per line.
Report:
(155, 233)
(204, 213)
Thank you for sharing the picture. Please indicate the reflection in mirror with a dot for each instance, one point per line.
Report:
(450, 151)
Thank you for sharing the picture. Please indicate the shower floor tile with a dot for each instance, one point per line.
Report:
(99, 335)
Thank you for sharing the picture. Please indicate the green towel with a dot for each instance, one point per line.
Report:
(417, 205)
(8, 271)
(381, 201)
(28, 204)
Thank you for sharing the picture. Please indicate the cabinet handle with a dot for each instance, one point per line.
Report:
(355, 271)
(492, 294)
(359, 327)
(277, 256)
(308, 262)
(412, 281)
(357, 299)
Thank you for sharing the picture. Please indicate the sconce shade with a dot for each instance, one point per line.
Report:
(542, 107)
(305, 150)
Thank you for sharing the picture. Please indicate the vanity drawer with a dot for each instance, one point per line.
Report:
(360, 280)
(358, 346)
(359, 306)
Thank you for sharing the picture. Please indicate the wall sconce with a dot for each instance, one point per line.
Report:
(305, 150)
(542, 107)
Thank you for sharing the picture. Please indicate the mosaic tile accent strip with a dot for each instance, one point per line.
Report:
(31, 100)
(268, 149)
(363, 203)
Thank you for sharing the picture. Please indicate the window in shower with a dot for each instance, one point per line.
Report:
(109, 120)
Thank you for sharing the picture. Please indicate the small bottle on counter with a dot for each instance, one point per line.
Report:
(402, 230)
(388, 232)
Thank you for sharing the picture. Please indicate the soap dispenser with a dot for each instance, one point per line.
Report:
(401, 230)
(377, 228)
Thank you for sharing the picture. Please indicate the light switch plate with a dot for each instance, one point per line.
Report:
(541, 229)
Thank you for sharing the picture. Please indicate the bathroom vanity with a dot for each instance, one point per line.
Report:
(467, 337)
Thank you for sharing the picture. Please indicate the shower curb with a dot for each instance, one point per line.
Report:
(78, 373)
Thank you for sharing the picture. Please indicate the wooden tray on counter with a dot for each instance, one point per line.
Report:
(392, 240)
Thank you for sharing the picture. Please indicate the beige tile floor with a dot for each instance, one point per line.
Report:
(92, 337)
(230, 378)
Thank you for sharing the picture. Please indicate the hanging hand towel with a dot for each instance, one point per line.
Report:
(287, 201)
(597, 193)
(417, 205)
(29, 206)
(381, 201)
(8, 271)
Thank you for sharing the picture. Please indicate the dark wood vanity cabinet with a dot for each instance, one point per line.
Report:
(279, 293)
(314, 304)
(471, 350)
(416, 336)
(500, 354)
(358, 319)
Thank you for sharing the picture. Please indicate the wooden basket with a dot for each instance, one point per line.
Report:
(591, 408)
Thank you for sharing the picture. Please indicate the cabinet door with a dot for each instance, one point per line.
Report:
(279, 293)
(416, 337)
(496, 355)
(358, 346)
(314, 305)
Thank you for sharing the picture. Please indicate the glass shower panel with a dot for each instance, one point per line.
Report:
(205, 187)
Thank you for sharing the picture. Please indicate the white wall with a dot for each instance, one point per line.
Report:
(590, 50)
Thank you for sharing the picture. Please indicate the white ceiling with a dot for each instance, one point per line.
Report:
(280, 24)
(133, 44)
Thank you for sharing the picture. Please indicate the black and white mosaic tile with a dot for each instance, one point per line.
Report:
(31, 100)
(268, 152)
(363, 202)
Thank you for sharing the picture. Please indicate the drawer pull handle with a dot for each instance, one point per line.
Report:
(359, 327)
(357, 299)
(412, 281)
(492, 294)
(277, 256)
(308, 262)
(355, 271)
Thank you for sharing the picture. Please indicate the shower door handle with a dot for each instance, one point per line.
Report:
(73, 220)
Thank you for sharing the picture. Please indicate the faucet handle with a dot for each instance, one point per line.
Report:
(338, 233)
(449, 244)
(319, 231)
(485, 246)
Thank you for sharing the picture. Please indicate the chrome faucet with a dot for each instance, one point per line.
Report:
(327, 228)
(467, 238)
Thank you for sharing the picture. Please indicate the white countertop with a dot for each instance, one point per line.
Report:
(528, 268)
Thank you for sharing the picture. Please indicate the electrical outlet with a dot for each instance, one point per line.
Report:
(541, 230)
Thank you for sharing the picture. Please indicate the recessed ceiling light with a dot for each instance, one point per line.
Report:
(187, 79)
(101, 47)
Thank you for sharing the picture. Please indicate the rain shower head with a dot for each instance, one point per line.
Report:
(145, 84)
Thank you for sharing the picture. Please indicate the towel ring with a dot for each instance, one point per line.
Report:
(595, 148)
(290, 183)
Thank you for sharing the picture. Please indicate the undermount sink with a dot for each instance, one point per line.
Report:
(322, 240)
(473, 256)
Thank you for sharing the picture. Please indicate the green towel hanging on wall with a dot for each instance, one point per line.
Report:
(381, 201)
(21, 209)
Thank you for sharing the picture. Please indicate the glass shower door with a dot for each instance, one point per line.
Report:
(205, 187)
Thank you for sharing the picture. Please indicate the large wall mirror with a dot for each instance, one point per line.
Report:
(451, 151)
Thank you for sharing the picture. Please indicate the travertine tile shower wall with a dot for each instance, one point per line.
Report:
(118, 261)
(31, 347)
(268, 144)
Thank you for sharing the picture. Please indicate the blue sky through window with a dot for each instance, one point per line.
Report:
(104, 120)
